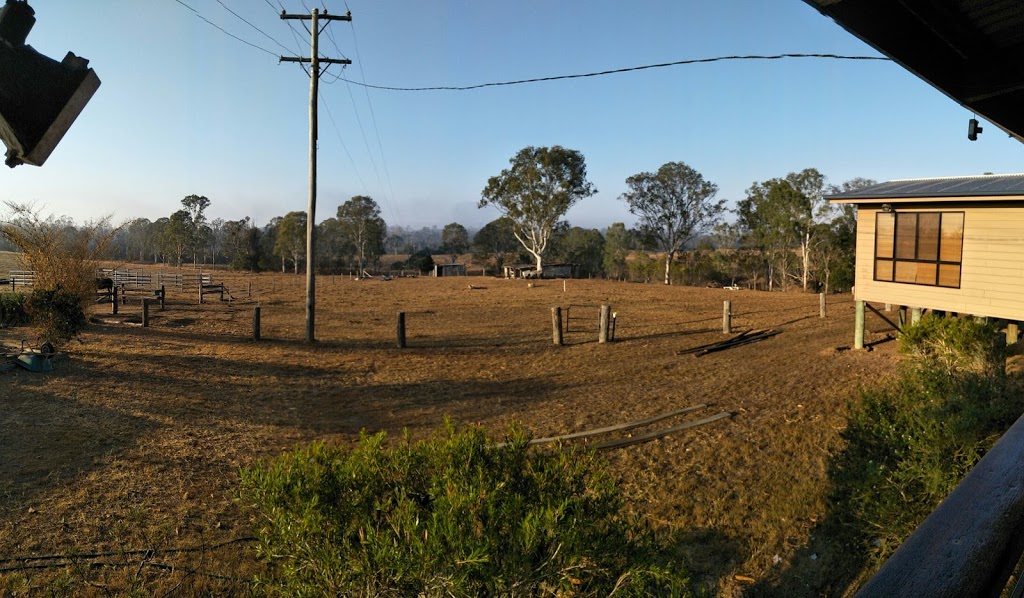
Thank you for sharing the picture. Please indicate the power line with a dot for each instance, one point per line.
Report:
(622, 70)
(225, 31)
(373, 116)
(337, 131)
(244, 20)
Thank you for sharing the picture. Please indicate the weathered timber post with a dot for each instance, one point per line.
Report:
(727, 317)
(200, 291)
(602, 334)
(163, 297)
(915, 315)
(124, 296)
(1012, 333)
(113, 302)
(556, 325)
(567, 319)
(400, 330)
(888, 307)
(256, 323)
(901, 316)
(821, 304)
(145, 313)
(615, 316)
(858, 325)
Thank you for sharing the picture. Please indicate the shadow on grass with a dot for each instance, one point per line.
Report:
(45, 440)
(321, 400)
(707, 555)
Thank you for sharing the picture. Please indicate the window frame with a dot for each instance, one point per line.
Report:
(938, 262)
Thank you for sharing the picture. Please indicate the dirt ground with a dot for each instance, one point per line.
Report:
(135, 441)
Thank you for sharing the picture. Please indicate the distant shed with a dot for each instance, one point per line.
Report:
(952, 244)
(449, 270)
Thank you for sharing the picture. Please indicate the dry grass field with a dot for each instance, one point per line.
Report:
(9, 261)
(134, 443)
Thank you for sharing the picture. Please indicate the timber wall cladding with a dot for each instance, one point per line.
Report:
(992, 265)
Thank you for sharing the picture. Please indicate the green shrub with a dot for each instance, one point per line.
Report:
(450, 516)
(910, 443)
(57, 313)
(12, 310)
(955, 345)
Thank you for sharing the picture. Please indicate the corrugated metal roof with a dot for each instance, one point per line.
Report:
(989, 185)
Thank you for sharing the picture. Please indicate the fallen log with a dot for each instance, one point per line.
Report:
(749, 336)
(621, 442)
(619, 427)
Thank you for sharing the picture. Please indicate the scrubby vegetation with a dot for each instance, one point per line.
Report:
(12, 310)
(454, 515)
(910, 444)
(63, 259)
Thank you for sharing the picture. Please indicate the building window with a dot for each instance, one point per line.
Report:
(919, 247)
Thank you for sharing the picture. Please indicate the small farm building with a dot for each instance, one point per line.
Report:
(449, 269)
(952, 244)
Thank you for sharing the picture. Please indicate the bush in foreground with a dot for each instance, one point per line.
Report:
(910, 443)
(12, 310)
(454, 515)
(57, 313)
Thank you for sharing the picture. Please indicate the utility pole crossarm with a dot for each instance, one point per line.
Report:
(321, 17)
(320, 60)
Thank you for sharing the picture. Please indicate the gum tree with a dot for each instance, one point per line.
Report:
(674, 205)
(536, 192)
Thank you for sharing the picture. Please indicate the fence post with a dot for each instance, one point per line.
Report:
(113, 303)
(248, 290)
(163, 296)
(567, 318)
(200, 291)
(602, 335)
(256, 323)
(556, 325)
(145, 313)
(727, 317)
(400, 330)
(858, 325)
(615, 316)
(821, 304)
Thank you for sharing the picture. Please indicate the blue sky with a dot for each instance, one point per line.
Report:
(185, 109)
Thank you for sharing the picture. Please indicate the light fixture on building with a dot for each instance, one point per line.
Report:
(973, 130)
(887, 208)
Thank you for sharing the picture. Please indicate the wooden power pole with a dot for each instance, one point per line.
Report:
(314, 61)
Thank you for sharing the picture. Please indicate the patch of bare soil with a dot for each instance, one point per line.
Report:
(135, 442)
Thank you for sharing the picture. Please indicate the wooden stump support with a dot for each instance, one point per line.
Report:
(858, 325)
(727, 317)
(556, 325)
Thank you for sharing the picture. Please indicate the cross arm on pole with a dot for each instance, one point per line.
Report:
(320, 60)
(322, 17)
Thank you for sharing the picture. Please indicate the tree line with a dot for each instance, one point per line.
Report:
(783, 233)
